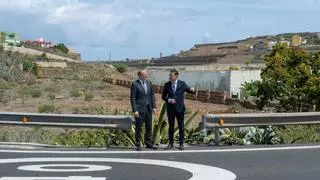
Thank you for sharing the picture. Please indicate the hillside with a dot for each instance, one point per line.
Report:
(252, 49)
(245, 51)
(59, 51)
(30, 51)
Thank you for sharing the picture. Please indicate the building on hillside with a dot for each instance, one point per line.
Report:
(228, 80)
(296, 40)
(258, 46)
(304, 42)
(271, 44)
(10, 38)
(285, 42)
(40, 43)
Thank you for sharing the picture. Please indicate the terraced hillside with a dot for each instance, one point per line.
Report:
(245, 51)
(24, 50)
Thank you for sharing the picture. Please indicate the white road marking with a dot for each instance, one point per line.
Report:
(54, 178)
(44, 168)
(199, 172)
(53, 151)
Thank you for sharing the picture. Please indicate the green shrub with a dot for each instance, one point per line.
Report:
(33, 91)
(4, 85)
(298, 134)
(3, 97)
(51, 96)
(61, 47)
(121, 68)
(82, 138)
(27, 65)
(52, 88)
(75, 93)
(47, 108)
(233, 68)
(43, 57)
(88, 96)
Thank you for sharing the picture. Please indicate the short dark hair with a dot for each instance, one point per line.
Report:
(174, 71)
(139, 72)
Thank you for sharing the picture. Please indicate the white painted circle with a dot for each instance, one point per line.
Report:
(48, 168)
(198, 171)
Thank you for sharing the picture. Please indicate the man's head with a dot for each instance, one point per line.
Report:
(173, 75)
(143, 75)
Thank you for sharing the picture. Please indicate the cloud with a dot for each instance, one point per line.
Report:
(206, 38)
(142, 28)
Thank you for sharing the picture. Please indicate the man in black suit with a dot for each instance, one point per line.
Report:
(143, 103)
(173, 95)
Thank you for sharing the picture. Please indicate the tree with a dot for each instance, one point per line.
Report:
(61, 47)
(291, 76)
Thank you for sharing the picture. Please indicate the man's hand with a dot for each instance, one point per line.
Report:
(136, 114)
(171, 101)
(192, 89)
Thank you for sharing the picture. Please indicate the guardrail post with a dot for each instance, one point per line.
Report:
(109, 134)
(203, 125)
(217, 136)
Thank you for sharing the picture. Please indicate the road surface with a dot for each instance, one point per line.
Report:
(195, 163)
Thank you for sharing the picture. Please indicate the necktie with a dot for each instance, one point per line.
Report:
(144, 87)
(174, 88)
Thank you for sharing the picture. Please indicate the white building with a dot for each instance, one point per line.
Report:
(239, 77)
(304, 42)
(286, 42)
(271, 44)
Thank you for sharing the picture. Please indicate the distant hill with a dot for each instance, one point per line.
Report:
(251, 50)
(245, 51)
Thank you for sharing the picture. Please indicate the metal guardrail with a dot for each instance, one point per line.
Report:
(66, 120)
(217, 121)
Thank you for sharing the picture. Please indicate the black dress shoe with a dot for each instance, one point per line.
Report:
(170, 146)
(152, 147)
(138, 148)
(181, 147)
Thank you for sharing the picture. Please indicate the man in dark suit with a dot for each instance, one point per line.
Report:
(173, 95)
(143, 103)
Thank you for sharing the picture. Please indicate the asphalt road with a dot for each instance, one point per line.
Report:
(200, 163)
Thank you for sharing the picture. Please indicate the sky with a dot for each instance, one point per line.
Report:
(144, 28)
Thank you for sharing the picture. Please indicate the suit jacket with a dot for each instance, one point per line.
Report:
(167, 94)
(140, 101)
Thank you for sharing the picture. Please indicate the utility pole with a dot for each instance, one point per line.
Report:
(109, 56)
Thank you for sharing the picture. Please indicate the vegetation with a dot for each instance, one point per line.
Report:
(61, 47)
(88, 96)
(249, 89)
(29, 66)
(30, 91)
(121, 68)
(48, 108)
(291, 77)
(75, 93)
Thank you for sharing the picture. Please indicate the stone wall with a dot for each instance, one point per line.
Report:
(71, 55)
(48, 64)
(52, 72)
(37, 52)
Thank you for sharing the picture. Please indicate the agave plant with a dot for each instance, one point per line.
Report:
(159, 129)
(159, 125)
(265, 136)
